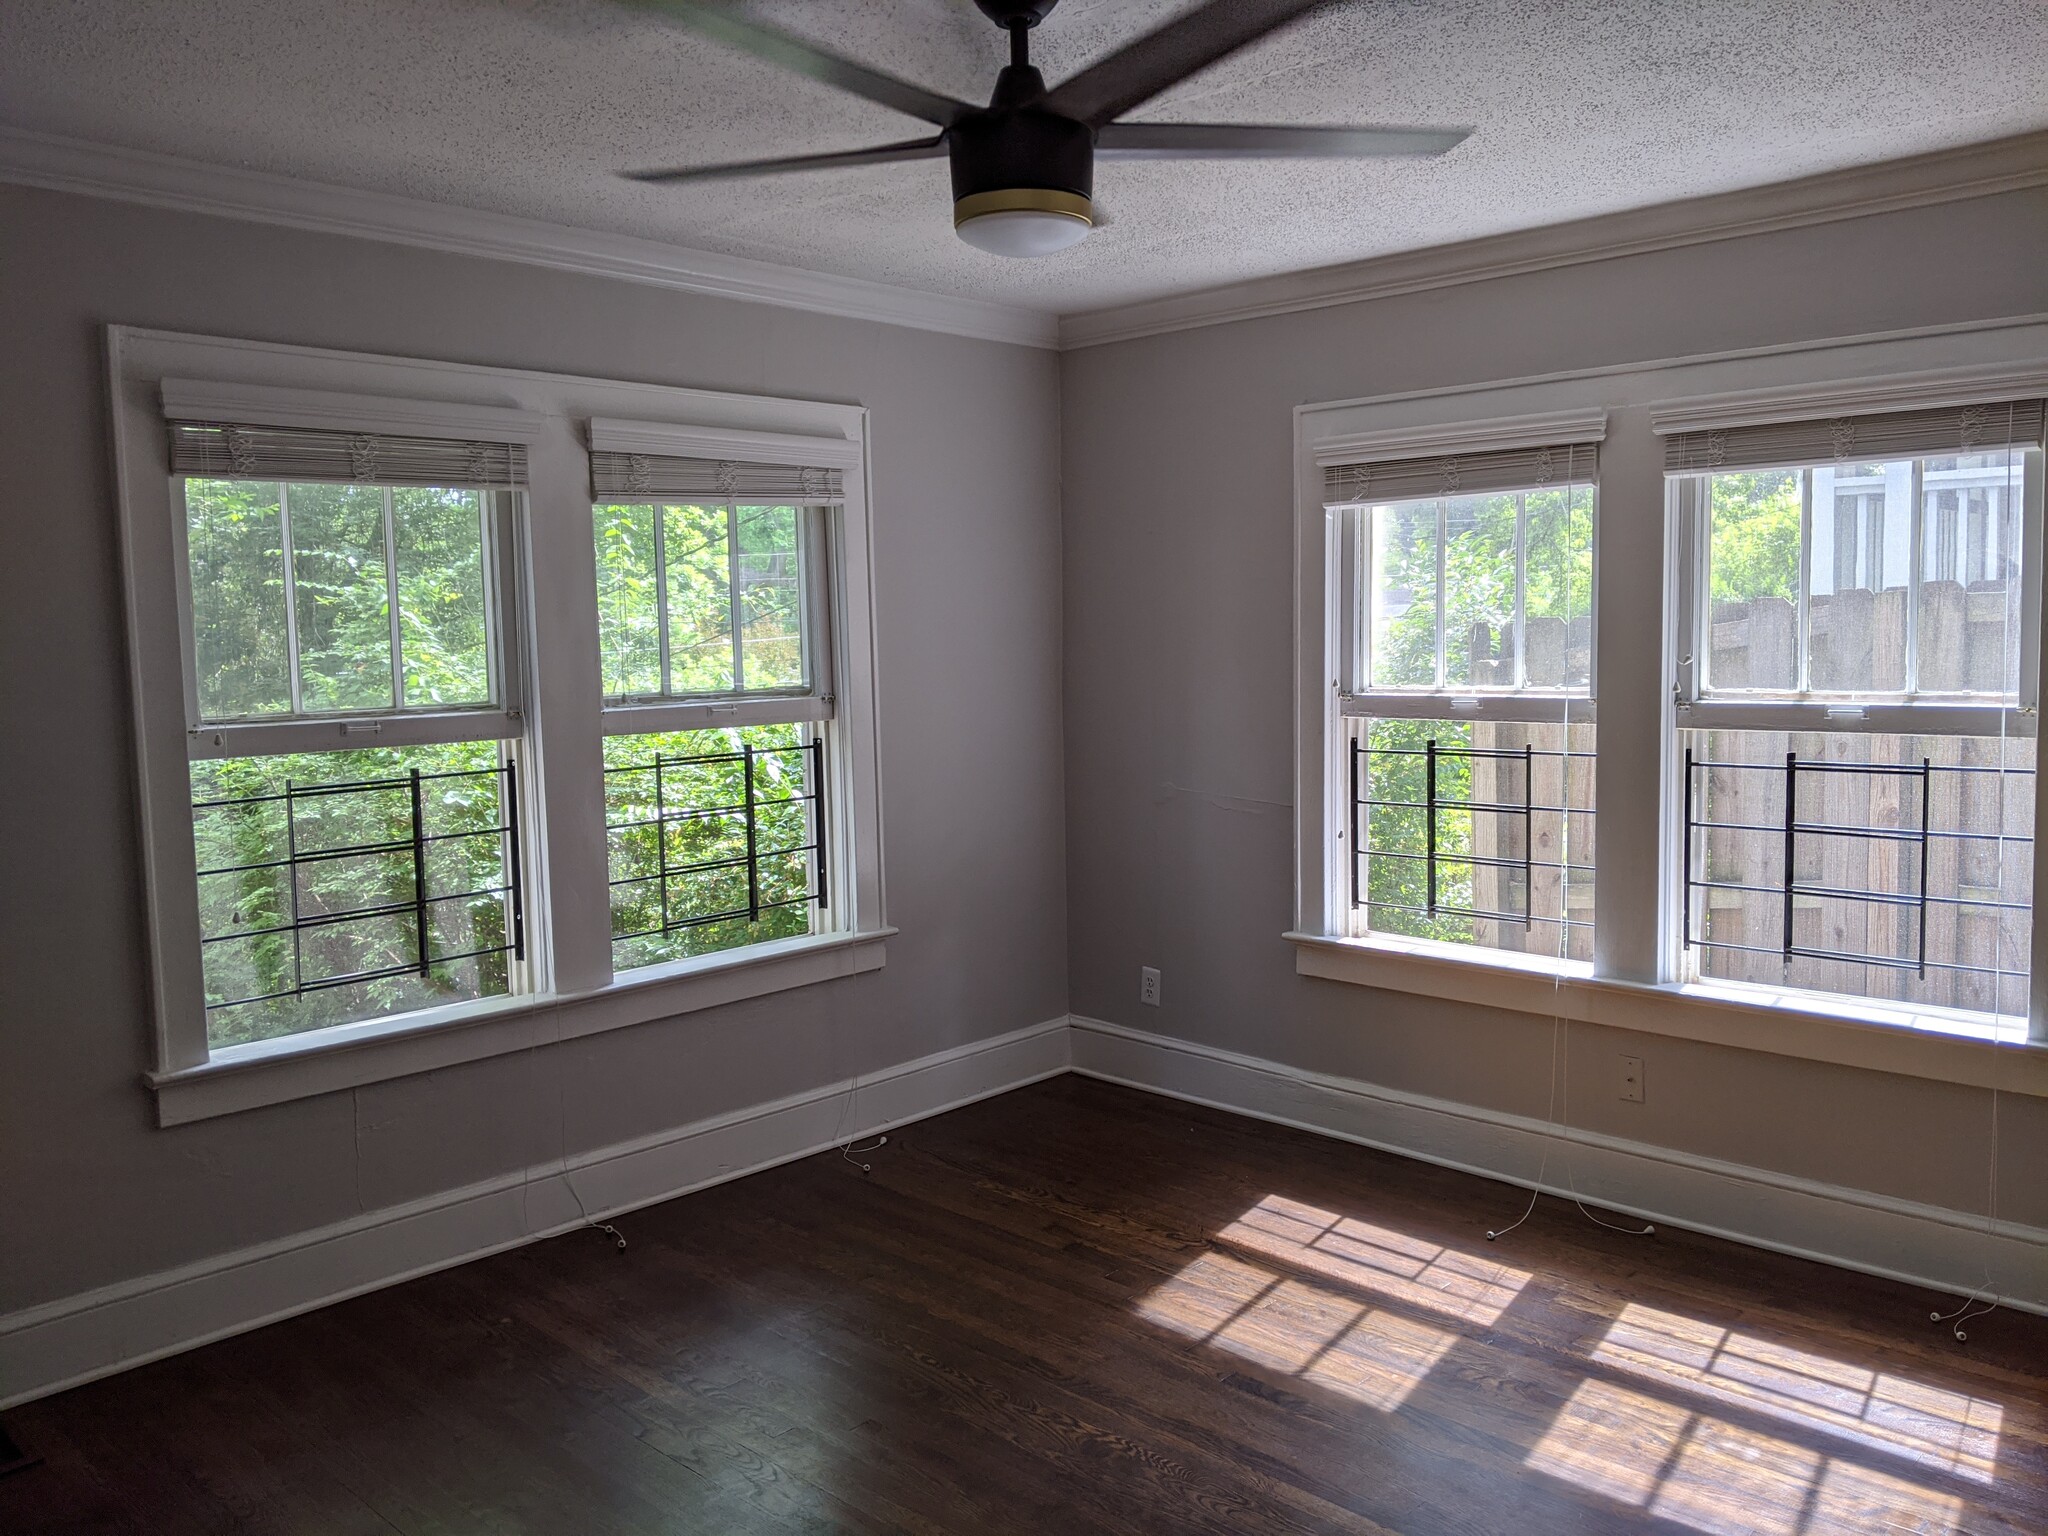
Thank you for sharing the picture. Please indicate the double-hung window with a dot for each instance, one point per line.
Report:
(1463, 728)
(471, 712)
(1855, 748)
(714, 626)
(353, 693)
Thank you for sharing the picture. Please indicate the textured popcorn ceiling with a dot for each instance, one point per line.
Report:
(527, 107)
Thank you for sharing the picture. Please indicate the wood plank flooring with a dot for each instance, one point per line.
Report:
(1080, 1309)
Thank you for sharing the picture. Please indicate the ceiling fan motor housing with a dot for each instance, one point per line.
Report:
(1015, 155)
(1016, 13)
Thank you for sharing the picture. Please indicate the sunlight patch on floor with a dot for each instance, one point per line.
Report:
(1362, 1256)
(1299, 1290)
(1725, 1480)
(1298, 1327)
(1904, 1418)
(1611, 1441)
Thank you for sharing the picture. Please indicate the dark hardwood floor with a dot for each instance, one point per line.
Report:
(1079, 1309)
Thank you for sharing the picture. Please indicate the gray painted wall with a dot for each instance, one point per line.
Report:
(1178, 475)
(967, 570)
(1166, 747)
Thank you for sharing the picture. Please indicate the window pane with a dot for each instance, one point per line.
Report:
(676, 809)
(1858, 578)
(1558, 581)
(1479, 591)
(771, 596)
(344, 615)
(1403, 575)
(1753, 575)
(699, 600)
(628, 592)
(328, 837)
(442, 619)
(1969, 620)
(1510, 865)
(235, 546)
(1856, 862)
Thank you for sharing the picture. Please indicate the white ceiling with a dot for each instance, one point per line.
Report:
(527, 106)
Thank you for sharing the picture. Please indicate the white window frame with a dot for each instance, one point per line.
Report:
(400, 725)
(1903, 711)
(1344, 597)
(818, 536)
(1635, 980)
(558, 710)
(816, 704)
(1696, 706)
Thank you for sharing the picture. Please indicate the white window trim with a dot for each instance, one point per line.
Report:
(1340, 594)
(1632, 982)
(568, 906)
(1897, 712)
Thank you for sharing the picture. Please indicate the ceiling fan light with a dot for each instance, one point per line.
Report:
(1023, 221)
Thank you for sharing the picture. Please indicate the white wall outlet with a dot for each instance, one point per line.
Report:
(1632, 1079)
(1148, 985)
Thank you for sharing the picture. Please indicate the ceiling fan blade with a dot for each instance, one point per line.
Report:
(1135, 74)
(881, 154)
(1260, 141)
(806, 58)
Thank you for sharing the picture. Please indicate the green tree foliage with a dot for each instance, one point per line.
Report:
(340, 581)
(1395, 769)
(1479, 581)
(1754, 545)
(676, 800)
(235, 541)
(257, 827)
(713, 555)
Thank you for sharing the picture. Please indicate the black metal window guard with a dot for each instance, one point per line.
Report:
(418, 906)
(1917, 839)
(1433, 805)
(749, 811)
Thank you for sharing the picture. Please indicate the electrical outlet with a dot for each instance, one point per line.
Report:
(1632, 1079)
(1148, 985)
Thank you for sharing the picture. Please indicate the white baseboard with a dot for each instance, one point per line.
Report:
(64, 1343)
(80, 1338)
(1899, 1239)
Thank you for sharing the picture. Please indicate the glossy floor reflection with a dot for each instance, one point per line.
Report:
(1078, 1310)
(1674, 1415)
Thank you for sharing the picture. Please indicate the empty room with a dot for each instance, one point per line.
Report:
(1023, 766)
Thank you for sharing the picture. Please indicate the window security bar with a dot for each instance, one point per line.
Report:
(419, 905)
(749, 810)
(1434, 804)
(1917, 840)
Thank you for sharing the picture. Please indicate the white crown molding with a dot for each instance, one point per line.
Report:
(672, 440)
(1974, 170)
(164, 181)
(191, 186)
(1930, 391)
(1550, 429)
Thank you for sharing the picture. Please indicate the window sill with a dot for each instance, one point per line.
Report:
(296, 1067)
(1945, 1048)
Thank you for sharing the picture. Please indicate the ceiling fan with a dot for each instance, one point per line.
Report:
(1024, 165)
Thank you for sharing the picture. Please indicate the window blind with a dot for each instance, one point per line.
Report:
(636, 476)
(1955, 429)
(221, 450)
(1458, 474)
